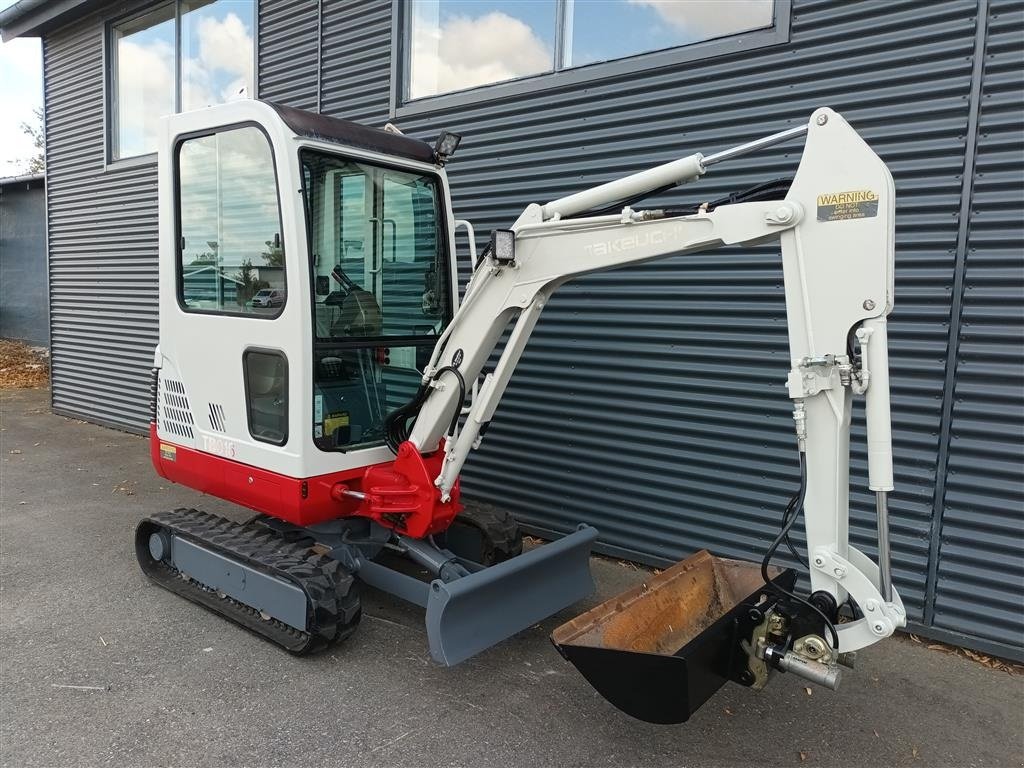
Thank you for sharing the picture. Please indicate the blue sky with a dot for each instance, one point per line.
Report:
(21, 91)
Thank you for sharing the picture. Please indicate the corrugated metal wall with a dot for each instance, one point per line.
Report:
(288, 53)
(23, 289)
(979, 588)
(652, 401)
(102, 228)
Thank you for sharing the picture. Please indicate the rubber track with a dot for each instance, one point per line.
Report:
(502, 538)
(332, 600)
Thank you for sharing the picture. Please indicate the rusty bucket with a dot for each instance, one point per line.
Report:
(663, 648)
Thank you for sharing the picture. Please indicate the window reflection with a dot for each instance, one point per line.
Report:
(457, 44)
(602, 30)
(144, 80)
(231, 254)
(216, 52)
(214, 64)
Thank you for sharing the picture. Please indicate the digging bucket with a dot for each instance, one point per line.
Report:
(660, 650)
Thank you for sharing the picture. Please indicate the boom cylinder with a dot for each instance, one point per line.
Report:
(879, 429)
(669, 174)
(876, 406)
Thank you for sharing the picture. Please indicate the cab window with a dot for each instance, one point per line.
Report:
(230, 253)
(380, 288)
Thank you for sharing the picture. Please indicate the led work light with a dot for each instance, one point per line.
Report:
(503, 246)
(445, 146)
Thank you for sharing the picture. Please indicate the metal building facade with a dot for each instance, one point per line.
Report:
(23, 302)
(651, 401)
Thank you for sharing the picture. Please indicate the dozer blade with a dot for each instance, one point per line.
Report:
(663, 648)
(474, 612)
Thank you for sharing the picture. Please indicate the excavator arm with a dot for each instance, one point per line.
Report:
(835, 225)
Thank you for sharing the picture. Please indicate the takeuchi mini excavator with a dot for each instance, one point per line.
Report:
(316, 365)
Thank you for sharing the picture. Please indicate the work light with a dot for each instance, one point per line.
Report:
(446, 145)
(503, 245)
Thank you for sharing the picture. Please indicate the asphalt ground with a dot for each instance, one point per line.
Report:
(163, 683)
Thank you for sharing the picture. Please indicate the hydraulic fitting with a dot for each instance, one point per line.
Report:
(800, 423)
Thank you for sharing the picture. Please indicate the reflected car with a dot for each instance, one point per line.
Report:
(268, 297)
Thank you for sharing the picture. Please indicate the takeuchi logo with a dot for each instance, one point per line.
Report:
(842, 198)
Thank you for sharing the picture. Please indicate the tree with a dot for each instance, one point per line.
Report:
(274, 254)
(248, 284)
(36, 163)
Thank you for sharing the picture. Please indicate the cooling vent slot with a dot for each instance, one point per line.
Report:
(177, 416)
(217, 417)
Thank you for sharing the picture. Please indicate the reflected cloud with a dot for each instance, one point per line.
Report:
(226, 45)
(220, 70)
(464, 52)
(704, 19)
(145, 93)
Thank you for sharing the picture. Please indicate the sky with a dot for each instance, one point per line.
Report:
(21, 91)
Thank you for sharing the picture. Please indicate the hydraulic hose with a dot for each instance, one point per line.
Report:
(797, 503)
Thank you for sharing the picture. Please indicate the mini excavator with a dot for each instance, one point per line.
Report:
(317, 366)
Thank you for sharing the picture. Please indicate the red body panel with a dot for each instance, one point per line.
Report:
(398, 494)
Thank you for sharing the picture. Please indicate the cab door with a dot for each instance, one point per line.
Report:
(228, 337)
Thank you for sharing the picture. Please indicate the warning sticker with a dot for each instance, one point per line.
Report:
(168, 452)
(335, 421)
(840, 206)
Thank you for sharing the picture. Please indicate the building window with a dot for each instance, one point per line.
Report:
(230, 253)
(176, 57)
(453, 45)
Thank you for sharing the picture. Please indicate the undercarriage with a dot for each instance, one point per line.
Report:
(299, 587)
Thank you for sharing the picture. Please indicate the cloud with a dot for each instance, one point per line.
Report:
(145, 85)
(464, 52)
(221, 70)
(705, 19)
(226, 44)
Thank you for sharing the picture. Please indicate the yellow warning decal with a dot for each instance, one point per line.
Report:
(168, 452)
(840, 206)
(335, 421)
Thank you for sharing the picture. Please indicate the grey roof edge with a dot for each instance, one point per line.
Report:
(32, 18)
(27, 178)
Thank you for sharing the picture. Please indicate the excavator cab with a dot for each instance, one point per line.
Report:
(307, 271)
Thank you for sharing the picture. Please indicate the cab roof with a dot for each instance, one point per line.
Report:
(333, 129)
